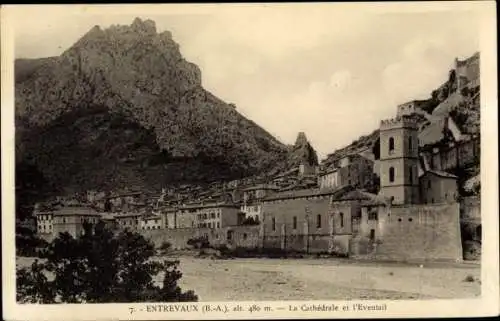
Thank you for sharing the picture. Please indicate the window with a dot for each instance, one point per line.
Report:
(411, 175)
(391, 145)
(428, 184)
(212, 215)
(372, 234)
(410, 147)
(244, 236)
(318, 221)
(273, 223)
(295, 222)
(373, 215)
(391, 174)
(218, 225)
(218, 215)
(341, 219)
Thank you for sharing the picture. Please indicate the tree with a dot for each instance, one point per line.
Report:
(165, 247)
(100, 267)
(27, 242)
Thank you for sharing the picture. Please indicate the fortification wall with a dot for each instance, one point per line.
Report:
(471, 228)
(459, 155)
(241, 236)
(423, 232)
(470, 209)
(307, 243)
(178, 238)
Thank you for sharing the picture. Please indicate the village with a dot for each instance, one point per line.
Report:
(392, 195)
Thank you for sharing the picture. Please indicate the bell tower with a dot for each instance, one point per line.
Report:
(399, 160)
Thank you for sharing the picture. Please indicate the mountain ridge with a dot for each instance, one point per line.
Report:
(130, 81)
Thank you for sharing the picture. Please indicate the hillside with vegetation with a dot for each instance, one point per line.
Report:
(122, 108)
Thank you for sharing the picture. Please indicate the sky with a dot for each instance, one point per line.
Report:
(332, 71)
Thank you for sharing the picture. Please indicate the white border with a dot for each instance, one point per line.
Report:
(487, 305)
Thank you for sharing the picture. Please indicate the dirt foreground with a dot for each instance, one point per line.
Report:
(325, 279)
(321, 279)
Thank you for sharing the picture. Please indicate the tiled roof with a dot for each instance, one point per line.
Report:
(365, 197)
(304, 193)
(108, 216)
(441, 174)
(261, 186)
(151, 217)
(129, 214)
(76, 210)
(124, 195)
(293, 170)
(449, 103)
(206, 205)
(433, 133)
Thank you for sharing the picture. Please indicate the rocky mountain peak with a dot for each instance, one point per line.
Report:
(301, 139)
(145, 27)
(303, 152)
(122, 107)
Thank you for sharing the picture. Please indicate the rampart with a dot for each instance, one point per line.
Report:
(461, 154)
(470, 209)
(398, 122)
(420, 232)
(232, 236)
(471, 227)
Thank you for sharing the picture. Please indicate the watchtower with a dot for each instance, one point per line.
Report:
(399, 160)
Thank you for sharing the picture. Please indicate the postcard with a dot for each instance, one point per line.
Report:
(249, 161)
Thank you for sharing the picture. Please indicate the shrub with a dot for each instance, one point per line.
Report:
(165, 247)
(469, 278)
(198, 243)
(28, 243)
(100, 267)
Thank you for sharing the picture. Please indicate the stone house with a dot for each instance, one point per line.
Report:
(204, 215)
(438, 187)
(151, 222)
(44, 219)
(411, 107)
(252, 200)
(128, 220)
(354, 170)
(71, 219)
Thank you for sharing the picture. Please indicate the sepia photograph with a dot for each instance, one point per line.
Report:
(248, 153)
